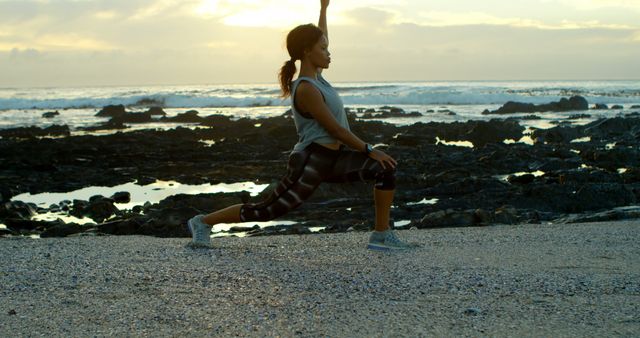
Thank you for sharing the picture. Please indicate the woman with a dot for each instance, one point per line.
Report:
(320, 154)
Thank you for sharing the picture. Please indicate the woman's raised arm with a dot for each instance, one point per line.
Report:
(322, 22)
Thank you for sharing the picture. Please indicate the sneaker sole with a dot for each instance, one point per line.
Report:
(384, 248)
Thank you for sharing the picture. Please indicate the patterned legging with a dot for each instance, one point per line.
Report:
(310, 167)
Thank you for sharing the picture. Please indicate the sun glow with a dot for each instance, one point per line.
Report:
(253, 13)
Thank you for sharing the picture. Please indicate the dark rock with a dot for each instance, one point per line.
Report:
(600, 106)
(114, 123)
(17, 209)
(462, 179)
(132, 118)
(521, 179)
(129, 226)
(558, 134)
(244, 228)
(6, 193)
(635, 106)
(62, 230)
(388, 112)
(612, 159)
(99, 208)
(20, 225)
(394, 110)
(296, 229)
(112, 111)
(631, 175)
(493, 132)
(611, 127)
(578, 116)
(168, 222)
(33, 132)
(619, 213)
(482, 217)
(599, 196)
(448, 218)
(190, 116)
(617, 106)
(50, 114)
(524, 118)
(156, 111)
(505, 215)
(573, 103)
(472, 311)
(121, 197)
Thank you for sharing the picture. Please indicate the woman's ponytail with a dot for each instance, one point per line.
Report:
(286, 75)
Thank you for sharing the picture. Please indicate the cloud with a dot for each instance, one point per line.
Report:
(230, 41)
(369, 16)
(444, 19)
(71, 41)
(599, 4)
(30, 54)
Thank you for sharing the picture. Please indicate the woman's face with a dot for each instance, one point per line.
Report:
(319, 55)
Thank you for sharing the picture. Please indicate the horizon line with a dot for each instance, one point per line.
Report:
(276, 83)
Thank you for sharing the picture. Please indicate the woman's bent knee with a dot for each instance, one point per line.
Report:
(386, 180)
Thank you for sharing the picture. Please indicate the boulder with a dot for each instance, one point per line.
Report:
(190, 116)
(578, 116)
(156, 111)
(50, 114)
(63, 230)
(27, 225)
(132, 118)
(619, 213)
(33, 131)
(112, 111)
(600, 106)
(17, 209)
(506, 215)
(617, 106)
(557, 134)
(130, 226)
(99, 208)
(494, 131)
(449, 218)
(599, 196)
(573, 103)
(121, 197)
(168, 222)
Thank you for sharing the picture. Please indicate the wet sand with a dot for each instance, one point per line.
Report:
(525, 280)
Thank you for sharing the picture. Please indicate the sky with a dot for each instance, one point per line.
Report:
(164, 42)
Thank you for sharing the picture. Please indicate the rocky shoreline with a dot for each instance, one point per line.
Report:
(569, 173)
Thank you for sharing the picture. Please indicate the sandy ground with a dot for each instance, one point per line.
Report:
(529, 280)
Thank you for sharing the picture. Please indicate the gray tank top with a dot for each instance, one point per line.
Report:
(309, 130)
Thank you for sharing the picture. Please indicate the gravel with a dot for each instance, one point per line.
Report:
(527, 280)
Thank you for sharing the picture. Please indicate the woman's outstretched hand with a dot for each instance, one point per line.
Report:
(386, 161)
(324, 3)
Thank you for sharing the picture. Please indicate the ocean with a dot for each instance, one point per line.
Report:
(440, 101)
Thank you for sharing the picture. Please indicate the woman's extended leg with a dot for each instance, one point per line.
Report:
(226, 215)
(306, 170)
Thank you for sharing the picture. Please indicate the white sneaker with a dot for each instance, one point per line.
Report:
(200, 232)
(387, 241)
